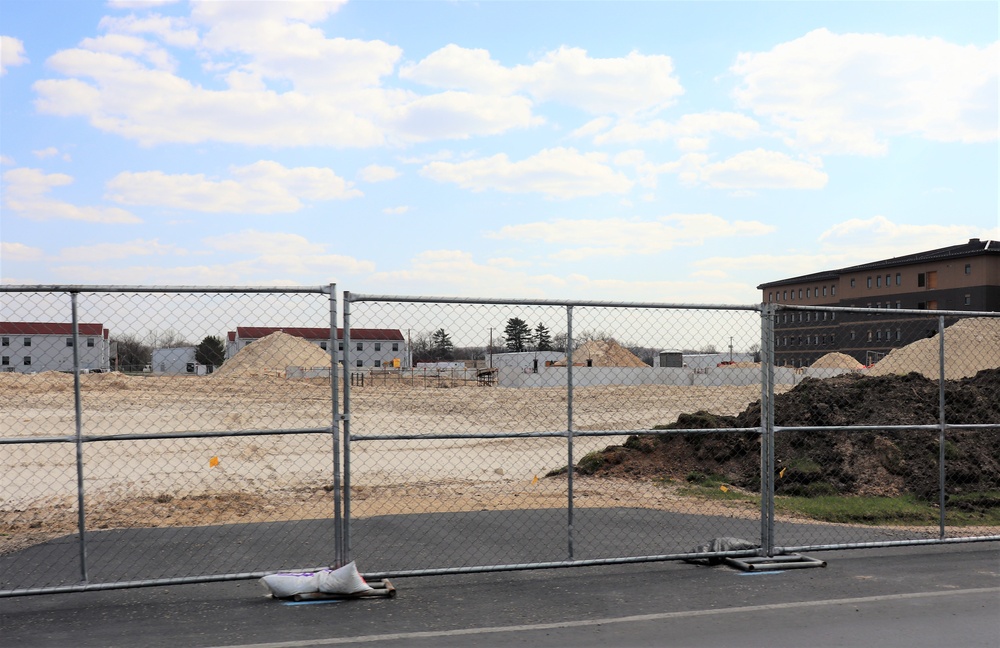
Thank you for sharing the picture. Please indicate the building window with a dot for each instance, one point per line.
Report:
(340, 346)
(69, 342)
(793, 295)
(824, 291)
(833, 316)
(27, 361)
(800, 317)
(27, 341)
(899, 279)
(322, 345)
(5, 341)
(5, 360)
(878, 335)
(784, 295)
(878, 304)
(968, 300)
(833, 290)
(899, 335)
(869, 282)
(878, 282)
(888, 335)
(90, 343)
(360, 363)
(888, 280)
(378, 363)
(378, 346)
(824, 315)
(808, 317)
(769, 295)
(395, 346)
(968, 268)
(921, 279)
(800, 293)
(852, 282)
(899, 304)
(808, 293)
(852, 335)
(361, 346)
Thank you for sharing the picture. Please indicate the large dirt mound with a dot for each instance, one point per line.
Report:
(836, 360)
(271, 355)
(870, 462)
(604, 353)
(970, 345)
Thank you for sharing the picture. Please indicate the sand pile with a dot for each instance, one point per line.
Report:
(269, 356)
(836, 361)
(970, 345)
(604, 353)
(46, 381)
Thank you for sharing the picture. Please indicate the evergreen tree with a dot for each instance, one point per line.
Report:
(543, 339)
(442, 346)
(210, 352)
(518, 334)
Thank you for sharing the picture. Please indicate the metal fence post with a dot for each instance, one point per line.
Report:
(347, 427)
(941, 432)
(569, 430)
(767, 430)
(338, 520)
(78, 406)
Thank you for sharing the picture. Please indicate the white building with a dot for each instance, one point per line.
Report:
(177, 361)
(527, 361)
(32, 347)
(369, 347)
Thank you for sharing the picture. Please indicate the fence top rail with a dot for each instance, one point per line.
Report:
(889, 311)
(77, 288)
(493, 301)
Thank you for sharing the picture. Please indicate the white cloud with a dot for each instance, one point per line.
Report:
(568, 75)
(694, 127)
(6, 160)
(378, 173)
(848, 93)
(291, 254)
(26, 195)
(396, 211)
(556, 172)
(48, 152)
(851, 242)
(19, 252)
(264, 187)
(122, 250)
(582, 239)
(11, 53)
(170, 30)
(760, 169)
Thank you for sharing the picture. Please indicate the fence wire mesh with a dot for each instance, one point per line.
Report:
(201, 440)
(198, 455)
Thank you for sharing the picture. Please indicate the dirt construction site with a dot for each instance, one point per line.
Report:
(269, 477)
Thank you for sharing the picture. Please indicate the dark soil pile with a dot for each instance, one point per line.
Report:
(865, 462)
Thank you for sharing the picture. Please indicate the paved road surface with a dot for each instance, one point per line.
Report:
(914, 596)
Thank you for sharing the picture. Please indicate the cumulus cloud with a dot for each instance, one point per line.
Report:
(556, 173)
(11, 53)
(689, 131)
(26, 195)
(289, 254)
(264, 187)
(581, 239)
(760, 169)
(568, 75)
(378, 173)
(19, 252)
(849, 93)
(118, 250)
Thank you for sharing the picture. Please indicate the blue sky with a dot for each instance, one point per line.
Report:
(650, 151)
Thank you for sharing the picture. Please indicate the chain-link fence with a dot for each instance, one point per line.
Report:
(181, 435)
(144, 441)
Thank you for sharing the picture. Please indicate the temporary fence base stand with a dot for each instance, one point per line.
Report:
(761, 563)
(382, 589)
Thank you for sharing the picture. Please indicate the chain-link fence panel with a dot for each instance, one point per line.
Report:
(205, 443)
(470, 467)
(871, 441)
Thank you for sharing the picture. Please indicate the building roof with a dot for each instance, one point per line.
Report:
(51, 328)
(975, 247)
(307, 333)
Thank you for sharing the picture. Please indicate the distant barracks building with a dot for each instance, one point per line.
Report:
(960, 277)
(33, 347)
(369, 347)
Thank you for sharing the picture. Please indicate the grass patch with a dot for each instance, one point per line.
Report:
(905, 509)
(710, 486)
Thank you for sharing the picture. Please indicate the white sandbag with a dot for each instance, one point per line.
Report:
(345, 580)
(285, 585)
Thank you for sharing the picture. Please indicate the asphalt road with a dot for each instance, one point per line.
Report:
(913, 596)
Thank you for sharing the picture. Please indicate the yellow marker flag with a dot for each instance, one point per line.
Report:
(535, 480)
(723, 489)
(781, 474)
(213, 462)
